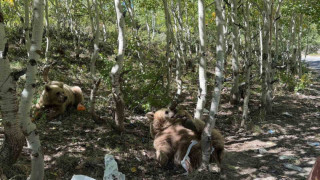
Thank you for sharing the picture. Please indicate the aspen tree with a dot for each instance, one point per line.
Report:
(202, 91)
(117, 68)
(169, 39)
(206, 134)
(29, 128)
(14, 139)
(248, 63)
(235, 53)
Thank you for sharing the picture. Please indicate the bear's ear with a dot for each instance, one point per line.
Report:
(150, 115)
(60, 84)
(47, 87)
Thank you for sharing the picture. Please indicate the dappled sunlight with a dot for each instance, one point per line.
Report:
(249, 145)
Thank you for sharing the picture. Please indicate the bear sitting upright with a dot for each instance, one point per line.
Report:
(57, 96)
(173, 132)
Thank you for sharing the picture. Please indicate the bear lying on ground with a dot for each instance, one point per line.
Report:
(57, 97)
(173, 133)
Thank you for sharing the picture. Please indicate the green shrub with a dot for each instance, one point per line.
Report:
(303, 82)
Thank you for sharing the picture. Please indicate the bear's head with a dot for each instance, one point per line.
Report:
(161, 115)
(54, 94)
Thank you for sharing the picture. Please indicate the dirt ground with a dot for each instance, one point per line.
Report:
(78, 145)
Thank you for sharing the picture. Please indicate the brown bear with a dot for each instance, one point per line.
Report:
(173, 142)
(173, 132)
(57, 96)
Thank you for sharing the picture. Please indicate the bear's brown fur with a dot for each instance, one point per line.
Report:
(57, 96)
(165, 117)
(175, 130)
(173, 142)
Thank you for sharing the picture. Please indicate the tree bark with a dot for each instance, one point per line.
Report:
(265, 55)
(117, 68)
(178, 45)
(248, 48)
(299, 45)
(47, 30)
(26, 24)
(14, 139)
(29, 128)
(235, 54)
(206, 134)
(96, 32)
(94, 57)
(202, 91)
(169, 39)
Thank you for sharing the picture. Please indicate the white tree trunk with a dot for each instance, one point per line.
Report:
(235, 54)
(169, 39)
(14, 139)
(29, 128)
(277, 32)
(93, 61)
(96, 40)
(153, 24)
(206, 134)
(178, 45)
(248, 48)
(117, 68)
(261, 46)
(293, 45)
(148, 29)
(26, 24)
(202, 91)
(188, 34)
(47, 30)
(299, 45)
(265, 76)
(104, 26)
(58, 16)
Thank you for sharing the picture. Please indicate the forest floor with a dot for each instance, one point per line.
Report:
(287, 136)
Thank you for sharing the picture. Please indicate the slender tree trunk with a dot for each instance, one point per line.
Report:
(261, 47)
(265, 57)
(226, 40)
(96, 40)
(169, 39)
(14, 139)
(248, 48)
(117, 68)
(299, 45)
(178, 46)
(153, 24)
(58, 19)
(291, 67)
(307, 46)
(93, 61)
(47, 30)
(276, 32)
(90, 15)
(148, 29)
(104, 26)
(294, 45)
(202, 91)
(188, 36)
(26, 24)
(235, 47)
(29, 128)
(269, 70)
(206, 134)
